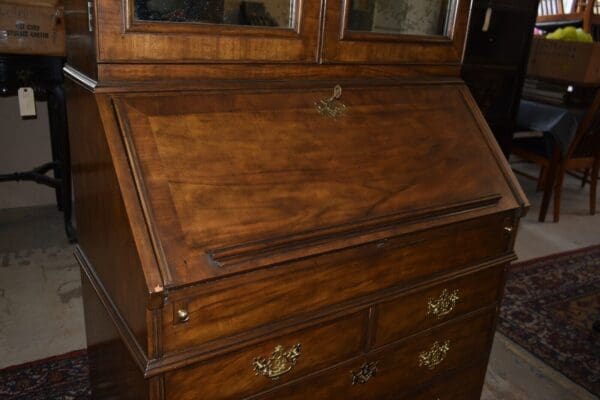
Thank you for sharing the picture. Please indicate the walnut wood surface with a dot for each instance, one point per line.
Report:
(81, 43)
(206, 182)
(462, 385)
(270, 174)
(404, 315)
(136, 77)
(103, 226)
(167, 41)
(397, 365)
(113, 373)
(232, 376)
(231, 306)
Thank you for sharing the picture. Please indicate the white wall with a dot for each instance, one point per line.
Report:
(23, 145)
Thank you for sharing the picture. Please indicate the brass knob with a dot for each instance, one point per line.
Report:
(183, 315)
(508, 229)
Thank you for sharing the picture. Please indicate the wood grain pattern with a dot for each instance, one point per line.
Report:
(288, 184)
(113, 372)
(221, 215)
(216, 44)
(410, 313)
(103, 227)
(81, 43)
(140, 77)
(231, 306)
(232, 376)
(398, 369)
(462, 385)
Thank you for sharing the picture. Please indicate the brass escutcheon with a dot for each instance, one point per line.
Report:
(366, 372)
(280, 362)
(444, 304)
(434, 356)
(332, 106)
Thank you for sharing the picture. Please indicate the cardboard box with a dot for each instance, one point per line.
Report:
(32, 27)
(574, 62)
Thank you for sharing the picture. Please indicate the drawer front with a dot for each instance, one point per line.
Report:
(393, 372)
(463, 385)
(266, 365)
(425, 308)
(301, 289)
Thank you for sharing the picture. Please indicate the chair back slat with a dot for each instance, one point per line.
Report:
(587, 138)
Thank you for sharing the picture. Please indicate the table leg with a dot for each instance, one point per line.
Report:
(57, 116)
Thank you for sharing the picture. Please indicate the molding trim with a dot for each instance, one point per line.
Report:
(121, 326)
(80, 78)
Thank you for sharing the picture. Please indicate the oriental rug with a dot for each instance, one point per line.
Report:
(549, 308)
(63, 377)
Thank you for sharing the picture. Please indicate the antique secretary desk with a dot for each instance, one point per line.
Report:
(287, 199)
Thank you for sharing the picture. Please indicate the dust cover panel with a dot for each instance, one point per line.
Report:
(247, 167)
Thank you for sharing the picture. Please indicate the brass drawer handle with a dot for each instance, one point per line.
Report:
(435, 355)
(183, 315)
(280, 362)
(366, 372)
(332, 106)
(444, 304)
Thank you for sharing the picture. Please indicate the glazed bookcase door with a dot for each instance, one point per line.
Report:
(207, 30)
(395, 31)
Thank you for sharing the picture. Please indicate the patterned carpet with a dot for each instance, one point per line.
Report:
(63, 377)
(549, 307)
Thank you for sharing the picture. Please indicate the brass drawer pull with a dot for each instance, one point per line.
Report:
(366, 372)
(332, 106)
(434, 356)
(280, 362)
(183, 315)
(444, 304)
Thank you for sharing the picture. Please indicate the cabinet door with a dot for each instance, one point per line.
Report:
(395, 31)
(207, 30)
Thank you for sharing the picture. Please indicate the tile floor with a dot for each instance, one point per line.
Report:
(41, 312)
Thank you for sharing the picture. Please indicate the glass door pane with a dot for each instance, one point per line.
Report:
(266, 13)
(407, 17)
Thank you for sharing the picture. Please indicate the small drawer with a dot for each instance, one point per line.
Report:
(393, 372)
(271, 363)
(422, 309)
(305, 288)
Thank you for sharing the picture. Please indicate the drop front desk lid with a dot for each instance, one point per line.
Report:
(236, 180)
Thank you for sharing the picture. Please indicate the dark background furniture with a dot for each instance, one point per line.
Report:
(44, 75)
(569, 125)
(495, 61)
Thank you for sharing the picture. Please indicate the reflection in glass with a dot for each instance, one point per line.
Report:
(279, 13)
(408, 17)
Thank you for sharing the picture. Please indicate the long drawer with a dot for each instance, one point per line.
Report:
(270, 363)
(393, 371)
(462, 385)
(304, 288)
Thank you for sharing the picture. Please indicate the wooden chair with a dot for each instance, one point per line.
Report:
(583, 154)
(585, 13)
